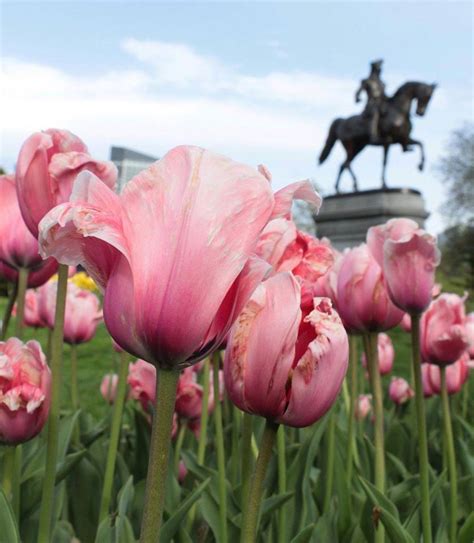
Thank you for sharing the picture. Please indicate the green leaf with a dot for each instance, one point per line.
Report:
(172, 525)
(388, 513)
(305, 535)
(466, 533)
(7, 521)
(125, 497)
(273, 503)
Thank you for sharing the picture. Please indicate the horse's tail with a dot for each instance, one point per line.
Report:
(331, 140)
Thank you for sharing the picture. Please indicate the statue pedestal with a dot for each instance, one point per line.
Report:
(345, 218)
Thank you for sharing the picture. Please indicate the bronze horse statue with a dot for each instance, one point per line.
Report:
(394, 127)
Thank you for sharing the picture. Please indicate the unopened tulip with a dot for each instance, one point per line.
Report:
(142, 382)
(404, 250)
(182, 472)
(456, 375)
(362, 298)
(288, 249)
(47, 166)
(469, 325)
(280, 366)
(196, 217)
(405, 323)
(24, 390)
(82, 313)
(425, 380)
(108, 387)
(32, 314)
(189, 396)
(363, 406)
(400, 391)
(18, 247)
(386, 354)
(443, 331)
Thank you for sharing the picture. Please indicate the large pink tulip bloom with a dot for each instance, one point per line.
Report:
(286, 248)
(386, 354)
(47, 166)
(173, 251)
(25, 382)
(400, 391)
(404, 250)
(443, 331)
(280, 366)
(18, 247)
(470, 333)
(456, 375)
(362, 298)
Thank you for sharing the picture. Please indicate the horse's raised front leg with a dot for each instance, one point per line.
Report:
(421, 165)
(385, 159)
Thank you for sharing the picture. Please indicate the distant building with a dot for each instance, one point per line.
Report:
(128, 163)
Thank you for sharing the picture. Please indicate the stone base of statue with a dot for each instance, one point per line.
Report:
(345, 218)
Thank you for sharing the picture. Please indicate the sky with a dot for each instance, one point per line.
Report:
(259, 82)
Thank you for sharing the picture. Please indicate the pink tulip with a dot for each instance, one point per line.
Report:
(32, 314)
(182, 472)
(405, 323)
(280, 366)
(326, 286)
(443, 332)
(469, 325)
(18, 248)
(196, 217)
(425, 380)
(142, 382)
(400, 391)
(404, 250)
(47, 166)
(456, 375)
(189, 396)
(363, 406)
(362, 298)
(25, 382)
(289, 249)
(82, 313)
(108, 387)
(386, 354)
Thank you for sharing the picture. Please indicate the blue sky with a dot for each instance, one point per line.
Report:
(260, 82)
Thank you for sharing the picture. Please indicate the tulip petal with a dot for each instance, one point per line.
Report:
(301, 190)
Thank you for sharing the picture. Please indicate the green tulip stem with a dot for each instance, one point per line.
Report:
(281, 452)
(220, 450)
(47, 499)
(352, 450)
(74, 380)
(160, 444)
(8, 311)
(246, 460)
(330, 454)
(252, 506)
(114, 437)
(204, 412)
(422, 434)
(8, 472)
(374, 373)
(20, 305)
(448, 438)
(234, 459)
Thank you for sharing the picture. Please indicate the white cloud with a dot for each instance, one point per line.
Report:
(175, 95)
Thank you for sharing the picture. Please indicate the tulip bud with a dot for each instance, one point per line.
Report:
(282, 366)
(363, 406)
(25, 382)
(386, 354)
(456, 375)
(400, 391)
(443, 332)
(362, 298)
(108, 387)
(470, 333)
(142, 382)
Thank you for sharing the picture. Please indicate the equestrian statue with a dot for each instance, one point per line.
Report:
(385, 121)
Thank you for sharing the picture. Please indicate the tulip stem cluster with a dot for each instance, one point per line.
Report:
(204, 412)
(44, 531)
(374, 374)
(20, 306)
(8, 311)
(252, 505)
(246, 465)
(281, 483)
(114, 436)
(74, 383)
(330, 444)
(422, 435)
(220, 451)
(166, 386)
(448, 438)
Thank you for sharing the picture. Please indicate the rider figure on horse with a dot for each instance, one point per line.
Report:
(375, 90)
